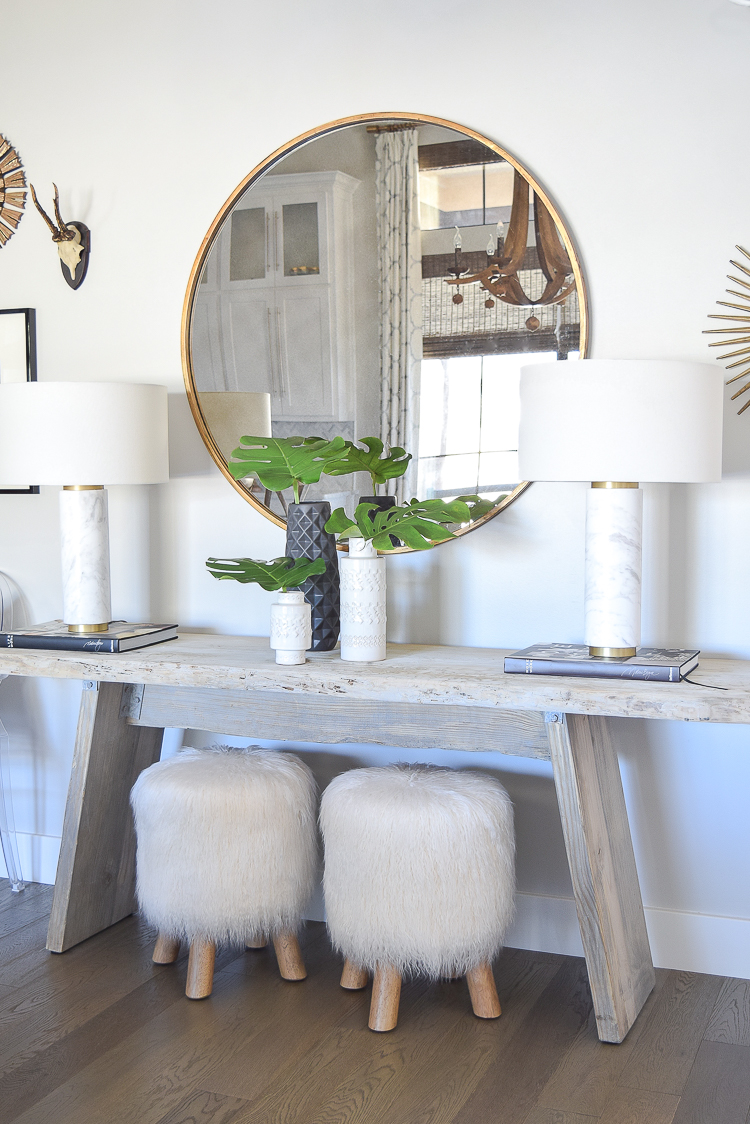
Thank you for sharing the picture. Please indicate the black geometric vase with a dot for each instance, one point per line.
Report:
(382, 502)
(306, 537)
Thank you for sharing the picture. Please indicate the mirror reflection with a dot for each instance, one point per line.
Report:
(383, 278)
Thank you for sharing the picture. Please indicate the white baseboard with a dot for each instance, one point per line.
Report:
(692, 942)
(700, 942)
(38, 856)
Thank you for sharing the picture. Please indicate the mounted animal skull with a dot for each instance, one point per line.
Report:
(73, 241)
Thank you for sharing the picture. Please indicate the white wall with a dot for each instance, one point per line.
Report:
(149, 114)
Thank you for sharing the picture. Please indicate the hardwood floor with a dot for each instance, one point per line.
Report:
(100, 1035)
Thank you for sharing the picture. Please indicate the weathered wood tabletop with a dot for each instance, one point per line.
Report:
(412, 673)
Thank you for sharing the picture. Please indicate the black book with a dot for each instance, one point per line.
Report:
(119, 637)
(667, 665)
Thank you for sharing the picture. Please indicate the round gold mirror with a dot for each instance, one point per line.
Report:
(382, 276)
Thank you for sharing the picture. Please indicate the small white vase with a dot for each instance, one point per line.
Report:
(291, 629)
(362, 574)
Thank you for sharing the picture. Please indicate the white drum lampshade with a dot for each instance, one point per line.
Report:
(616, 423)
(82, 436)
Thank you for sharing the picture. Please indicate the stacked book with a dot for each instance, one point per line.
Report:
(119, 637)
(667, 665)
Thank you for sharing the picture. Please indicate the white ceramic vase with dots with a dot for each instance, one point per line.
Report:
(291, 629)
(362, 574)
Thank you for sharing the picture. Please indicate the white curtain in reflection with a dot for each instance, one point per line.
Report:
(400, 262)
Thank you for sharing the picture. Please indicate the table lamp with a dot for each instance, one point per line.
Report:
(83, 435)
(617, 422)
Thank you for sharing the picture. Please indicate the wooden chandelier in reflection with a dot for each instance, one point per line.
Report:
(500, 277)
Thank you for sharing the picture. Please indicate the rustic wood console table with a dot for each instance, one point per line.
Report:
(420, 697)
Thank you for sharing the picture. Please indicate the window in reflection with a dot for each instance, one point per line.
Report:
(474, 195)
(468, 426)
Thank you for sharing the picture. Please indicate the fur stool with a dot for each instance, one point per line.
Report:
(226, 852)
(419, 879)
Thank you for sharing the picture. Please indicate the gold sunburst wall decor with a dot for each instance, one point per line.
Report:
(738, 336)
(12, 193)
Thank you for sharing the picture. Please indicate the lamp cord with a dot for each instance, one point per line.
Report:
(697, 684)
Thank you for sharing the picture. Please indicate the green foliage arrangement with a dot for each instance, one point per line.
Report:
(290, 462)
(284, 462)
(419, 524)
(370, 459)
(279, 573)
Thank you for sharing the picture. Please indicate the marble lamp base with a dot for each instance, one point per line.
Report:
(614, 517)
(84, 531)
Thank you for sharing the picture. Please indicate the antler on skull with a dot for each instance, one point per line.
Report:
(62, 232)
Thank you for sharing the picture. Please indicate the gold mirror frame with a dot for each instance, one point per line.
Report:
(258, 171)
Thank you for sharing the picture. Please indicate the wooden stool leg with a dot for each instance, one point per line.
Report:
(354, 978)
(484, 1001)
(386, 992)
(258, 941)
(200, 976)
(291, 964)
(166, 950)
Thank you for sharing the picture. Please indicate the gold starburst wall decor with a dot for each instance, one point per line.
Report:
(12, 194)
(740, 332)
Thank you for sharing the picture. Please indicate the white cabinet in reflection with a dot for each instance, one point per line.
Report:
(274, 310)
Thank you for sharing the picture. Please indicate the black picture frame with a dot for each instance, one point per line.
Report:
(29, 336)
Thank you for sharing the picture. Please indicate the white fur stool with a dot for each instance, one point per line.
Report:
(226, 852)
(419, 879)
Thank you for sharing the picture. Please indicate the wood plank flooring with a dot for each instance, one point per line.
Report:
(100, 1035)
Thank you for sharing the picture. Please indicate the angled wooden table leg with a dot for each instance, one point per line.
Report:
(95, 880)
(602, 865)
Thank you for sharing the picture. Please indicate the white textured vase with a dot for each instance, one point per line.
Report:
(84, 531)
(291, 629)
(362, 574)
(614, 518)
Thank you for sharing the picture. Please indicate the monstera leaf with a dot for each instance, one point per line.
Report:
(370, 459)
(284, 462)
(419, 524)
(279, 573)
